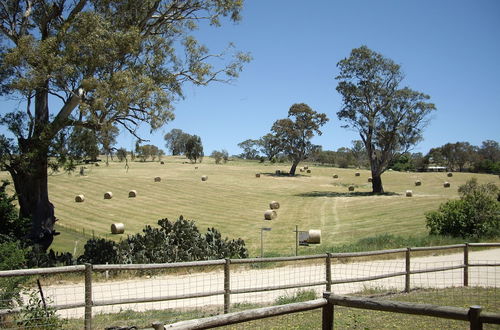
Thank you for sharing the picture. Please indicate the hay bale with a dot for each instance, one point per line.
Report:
(204, 178)
(370, 179)
(196, 167)
(132, 193)
(357, 174)
(351, 188)
(449, 174)
(335, 176)
(308, 171)
(270, 215)
(418, 183)
(96, 164)
(446, 185)
(157, 179)
(306, 167)
(162, 162)
(274, 205)
(257, 175)
(409, 193)
(301, 169)
(108, 195)
(117, 228)
(79, 198)
(314, 236)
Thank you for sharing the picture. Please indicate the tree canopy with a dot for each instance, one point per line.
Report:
(388, 118)
(294, 135)
(107, 63)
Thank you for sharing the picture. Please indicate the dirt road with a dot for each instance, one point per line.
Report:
(244, 278)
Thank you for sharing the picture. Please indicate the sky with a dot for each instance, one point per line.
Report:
(448, 49)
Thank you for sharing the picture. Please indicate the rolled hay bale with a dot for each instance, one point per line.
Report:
(308, 171)
(446, 185)
(96, 164)
(157, 179)
(108, 195)
(335, 176)
(301, 169)
(274, 205)
(449, 174)
(370, 179)
(270, 215)
(196, 167)
(418, 183)
(204, 178)
(79, 198)
(117, 228)
(257, 175)
(314, 236)
(306, 167)
(351, 188)
(162, 163)
(357, 174)
(409, 193)
(132, 193)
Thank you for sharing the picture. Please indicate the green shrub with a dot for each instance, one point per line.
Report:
(36, 315)
(12, 256)
(476, 214)
(99, 251)
(12, 227)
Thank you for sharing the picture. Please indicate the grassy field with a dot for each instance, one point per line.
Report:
(234, 201)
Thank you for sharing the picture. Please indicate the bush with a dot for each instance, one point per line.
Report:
(12, 227)
(12, 256)
(475, 215)
(301, 295)
(36, 315)
(98, 251)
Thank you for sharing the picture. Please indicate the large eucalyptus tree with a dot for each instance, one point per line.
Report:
(94, 64)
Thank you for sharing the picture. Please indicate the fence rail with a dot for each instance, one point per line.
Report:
(88, 270)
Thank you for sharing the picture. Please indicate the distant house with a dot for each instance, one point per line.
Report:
(436, 168)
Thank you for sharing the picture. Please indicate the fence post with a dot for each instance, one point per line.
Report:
(88, 297)
(327, 313)
(408, 269)
(475, 322)
(227, 286)
(466, 264)
(328, 272)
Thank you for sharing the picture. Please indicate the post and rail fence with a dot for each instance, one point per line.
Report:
(229, 290)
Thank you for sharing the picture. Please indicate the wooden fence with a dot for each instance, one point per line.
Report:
(473, 314)
(226, 291)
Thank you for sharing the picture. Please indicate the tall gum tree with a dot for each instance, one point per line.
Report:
(389, 119)
(294, 135)
(118, 62)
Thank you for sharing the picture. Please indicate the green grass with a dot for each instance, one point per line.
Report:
(234, 201)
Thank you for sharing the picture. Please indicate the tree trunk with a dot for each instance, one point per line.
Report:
(377, 187)
(31, 184)
(293, 168)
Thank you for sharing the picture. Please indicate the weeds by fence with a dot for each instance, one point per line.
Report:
(223, 286)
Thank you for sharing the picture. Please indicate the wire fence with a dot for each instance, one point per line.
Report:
(99, 296)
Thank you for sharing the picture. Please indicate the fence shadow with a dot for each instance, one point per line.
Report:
(344, 194)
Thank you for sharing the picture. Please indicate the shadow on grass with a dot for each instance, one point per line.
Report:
(284, 175)
(344, 194)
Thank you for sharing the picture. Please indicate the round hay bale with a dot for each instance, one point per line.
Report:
(314, 236)
(96, 164)
(132, 193)
(117, 228)
(162, 163)
(270, 215)
(108, 195)
(79, 198)
(306, 167)
(196, 167)
(274, 205)
(370, 179)
(157, 179)
(308, 171)
(301, 169)
(357, 174)
(418, 183)
(335, 176)
(351, 188)
(409, 193)
(446, 185)
(204, 178)
(257, 175)
(449, 174)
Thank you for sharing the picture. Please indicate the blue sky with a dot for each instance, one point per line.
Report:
(448, 49)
